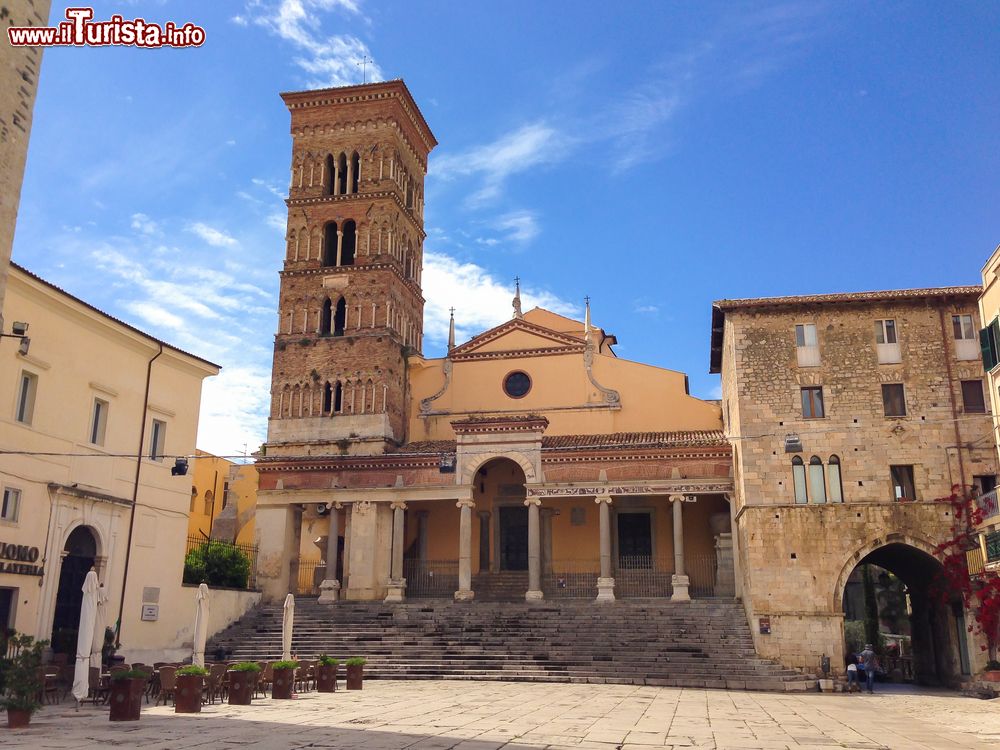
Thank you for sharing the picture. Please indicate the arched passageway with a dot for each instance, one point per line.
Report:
(892, 599)
(80, 553)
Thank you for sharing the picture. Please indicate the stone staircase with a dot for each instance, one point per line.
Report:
(504, 586)
(703, 643)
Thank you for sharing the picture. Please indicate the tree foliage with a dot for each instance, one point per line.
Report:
(217, 564)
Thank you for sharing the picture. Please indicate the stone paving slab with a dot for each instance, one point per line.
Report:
(451, 715)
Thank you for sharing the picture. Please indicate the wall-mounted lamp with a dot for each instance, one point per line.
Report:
(19, 330)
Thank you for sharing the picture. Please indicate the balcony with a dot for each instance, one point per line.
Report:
(987, 505)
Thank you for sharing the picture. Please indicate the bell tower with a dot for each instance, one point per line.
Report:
(350, 308)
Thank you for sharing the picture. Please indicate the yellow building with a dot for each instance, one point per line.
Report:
(91, 419)
(223, 499)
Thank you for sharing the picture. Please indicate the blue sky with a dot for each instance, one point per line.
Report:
(655, 156)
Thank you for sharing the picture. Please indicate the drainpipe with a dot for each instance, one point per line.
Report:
(215, 499)
(135, 497)
(954, 409)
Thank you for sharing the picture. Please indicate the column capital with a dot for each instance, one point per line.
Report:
(678, 498)
(466, 502)
(334, 505)
(603, 499)
(536, 501)
(398, 505)
(484, 514)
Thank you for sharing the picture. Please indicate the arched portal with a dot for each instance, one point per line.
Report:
(498, 487)
(891, 598)
(79, 555)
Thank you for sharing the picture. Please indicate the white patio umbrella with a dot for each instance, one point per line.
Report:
(85, 637)
(287, 620)
(200, 626)
(100, 623)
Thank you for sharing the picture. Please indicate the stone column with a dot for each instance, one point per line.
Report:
(350, 175)
(679, 580)
(484, 541)
(397, 584)
(329, 589)
(340, 244)
(465, 592)
(276, 550)
(606, 583)
(546, 523)
(336, 178)
(534, 551)
(422, 535)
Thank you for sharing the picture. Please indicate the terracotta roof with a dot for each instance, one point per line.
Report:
(878, 296)
(120, 322)
(687, 439)
(427, 446)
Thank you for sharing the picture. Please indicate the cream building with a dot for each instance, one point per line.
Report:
(90, 395)
(989, 339)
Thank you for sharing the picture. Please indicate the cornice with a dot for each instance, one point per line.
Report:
(392, 195)
(518, 353)
(334, 270)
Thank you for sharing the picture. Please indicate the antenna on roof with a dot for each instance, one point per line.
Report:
(363, 62)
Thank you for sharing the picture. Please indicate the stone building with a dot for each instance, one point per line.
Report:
(19, 69)
(849, 415)
(475, 474)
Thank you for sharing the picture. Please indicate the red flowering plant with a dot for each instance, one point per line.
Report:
(978, 589)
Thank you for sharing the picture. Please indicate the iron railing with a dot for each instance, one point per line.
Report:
(987, 504)
(249, 551)
(642, 576)
(430, 578)
(571, 579)
(702, 571)
(310, 576)
(974, 561)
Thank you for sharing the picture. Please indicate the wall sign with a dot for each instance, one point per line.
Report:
(19, 559)
(765, 626)
(150, 612)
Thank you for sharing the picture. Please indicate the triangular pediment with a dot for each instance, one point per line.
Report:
(517, 335)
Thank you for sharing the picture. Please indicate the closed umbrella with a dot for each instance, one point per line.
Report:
(85, 637)
(287, 621)
(200, 626)
(100, 623)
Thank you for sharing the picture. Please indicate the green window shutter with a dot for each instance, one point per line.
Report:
(987, 343)
(993, 547)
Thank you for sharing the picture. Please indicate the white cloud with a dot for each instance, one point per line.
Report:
(480, 300)
(234, 409)
(212, 236)
(155, 315)
(526, 148)
(646, 309)
(332, 58)
(516, 227)
(145, 225)
(277, 221)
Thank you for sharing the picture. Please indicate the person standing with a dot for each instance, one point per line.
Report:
(870, 663)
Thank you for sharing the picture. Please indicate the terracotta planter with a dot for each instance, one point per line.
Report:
(187, 694)
(284, 681)
(355, 676)
(17, 718)
(992, 676)
(241, 687)
(126, 698)
(326, 678)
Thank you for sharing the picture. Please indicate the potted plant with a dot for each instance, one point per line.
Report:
(284, 678)
(355, 672)
(127, 689)
(326, 674)
(242, 679)
(23, 679)
(187, 693)
(992, 672)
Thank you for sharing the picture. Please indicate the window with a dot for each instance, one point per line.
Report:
(225, 494)
(11, 504)
(517, 384)
(989, 344)
(893, 400)
(799, 480)
(817, 481)
(885, 331)
(805, 335)
(209, 503)
(902, 483)
(194, 497)
(99, 422)
(26, 390)
(157, 440)
(963, 327)
(984, 483)
(973, 400)
(812, 403)
(834, 480)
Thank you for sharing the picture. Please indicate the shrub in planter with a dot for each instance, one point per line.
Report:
(127, 689)
(187, 693)
(242, 679)
(284, 678)
(355, 672)
(326, 674)
(992, 671)
(22, 679)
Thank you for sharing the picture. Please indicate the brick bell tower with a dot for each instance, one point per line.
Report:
(350, 306)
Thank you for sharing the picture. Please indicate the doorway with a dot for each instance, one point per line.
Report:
(635, 540)
(513, 538)
(80, 554)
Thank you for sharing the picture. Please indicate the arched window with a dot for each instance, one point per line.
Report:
(799, 480)
(349, 244)
(817, 482)
(326, 317)
(329, 173)
(194, 497)
(209, 503)
(836, 483)
(409, 193)
(355, 171)
(291, 245)
(338, 398)
(340, 317)
(342, 182)
(327, 398)
(330, 244)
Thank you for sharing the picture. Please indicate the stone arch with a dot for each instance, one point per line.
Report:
(474, 463)
(866, 549)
